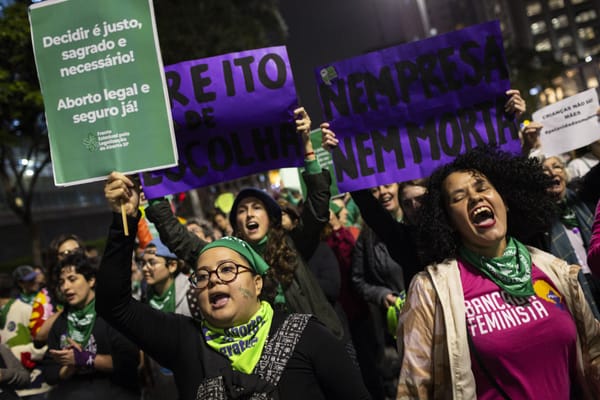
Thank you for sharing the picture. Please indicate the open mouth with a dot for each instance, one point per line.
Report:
(218, 300)
(483, 217)
(556, 182)
(252, 226)
(69, 297)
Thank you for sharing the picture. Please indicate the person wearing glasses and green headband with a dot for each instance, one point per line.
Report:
(241, 347)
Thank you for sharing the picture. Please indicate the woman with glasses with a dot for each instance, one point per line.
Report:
(256, 217)
(241, 347)
(166, 292)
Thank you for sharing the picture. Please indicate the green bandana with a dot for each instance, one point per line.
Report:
(261, 245)
(242, 344)
(27, 298)
(4, 312)
(511, 271)
(567, 216)
(165, 302)
(260, 249)
(81, 322)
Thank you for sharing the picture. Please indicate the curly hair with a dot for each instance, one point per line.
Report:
(283, 260)
(520, 182)
(80, 263)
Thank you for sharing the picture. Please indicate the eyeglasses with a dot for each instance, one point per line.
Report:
(151, 263)
(226, 272)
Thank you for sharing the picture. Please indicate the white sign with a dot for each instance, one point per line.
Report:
(569, 124)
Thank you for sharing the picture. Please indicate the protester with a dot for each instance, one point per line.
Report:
(166, 291)
(26, 280)
(256, 218)
(201, 228)
(379, 280)
(411, 195)
(491, 317)
(14, 332)
(12, 374)
(323, 263)
(87, 359)
(46, 304)
(242, 345)
(399, 237)
(219, 218)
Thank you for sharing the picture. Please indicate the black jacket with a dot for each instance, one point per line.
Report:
(318, 369)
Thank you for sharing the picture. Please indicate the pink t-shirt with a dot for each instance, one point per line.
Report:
(527, 344)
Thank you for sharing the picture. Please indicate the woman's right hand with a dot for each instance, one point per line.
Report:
(121, 190)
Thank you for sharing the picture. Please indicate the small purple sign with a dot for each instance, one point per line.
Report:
(401, 112)
(234, 117)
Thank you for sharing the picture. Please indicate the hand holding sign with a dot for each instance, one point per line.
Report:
(122, 191)
(328, 139)
(515, 104)
(531, 137)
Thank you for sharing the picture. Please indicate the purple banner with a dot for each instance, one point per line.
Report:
(403, 111)
(234, 117)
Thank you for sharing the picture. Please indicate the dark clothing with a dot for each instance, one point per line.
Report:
(398, 237)
(304, 294)
(325, 268)
(121, 383)
(375, 274)
(318, 369)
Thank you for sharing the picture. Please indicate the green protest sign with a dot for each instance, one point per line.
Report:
(325, 160)
(103, 84)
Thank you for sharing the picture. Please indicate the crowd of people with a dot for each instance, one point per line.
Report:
(480, 281)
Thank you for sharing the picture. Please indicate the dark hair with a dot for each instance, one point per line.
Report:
(207, 228)
(217, 211)
(283, 260)
(521, 183)
(289, 209)
(52, 258)
(80, 262)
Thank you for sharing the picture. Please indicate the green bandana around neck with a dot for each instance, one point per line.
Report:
(567, 216)
(242, 344)
(261, 245)
(164, 302)
(81, 322)
(511, 271)
(27, 297)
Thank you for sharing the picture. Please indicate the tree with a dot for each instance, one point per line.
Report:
(22, 130)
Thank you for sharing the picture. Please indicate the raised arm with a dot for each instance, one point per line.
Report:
(114, 303)
(185, 244)
(315, 211)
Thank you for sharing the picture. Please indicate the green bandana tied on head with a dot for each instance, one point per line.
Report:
(242, 344)
(81, 322)
(164, 302)
(511, 271)
(244, 249)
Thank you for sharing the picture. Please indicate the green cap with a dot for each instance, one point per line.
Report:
(257, 263)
